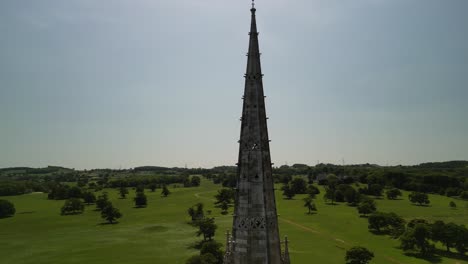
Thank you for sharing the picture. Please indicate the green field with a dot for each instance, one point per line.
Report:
(160, 233)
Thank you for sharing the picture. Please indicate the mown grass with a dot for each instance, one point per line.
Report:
(160, 233)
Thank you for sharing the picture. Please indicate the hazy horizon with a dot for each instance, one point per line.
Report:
(108, 84)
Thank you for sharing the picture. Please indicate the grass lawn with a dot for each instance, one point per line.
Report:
(160, 233)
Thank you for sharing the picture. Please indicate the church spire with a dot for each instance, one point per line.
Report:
(255, 234)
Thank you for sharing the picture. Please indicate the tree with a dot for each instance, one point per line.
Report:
(309, 204)
(140, 200)
(72, 206)
(444, 233)
(110, 213)
(461, 240)
(207, 228)
(393, 193)
(358, 255)
(7, 209)
(332, 181)
(299, 186)
(312, 191)
(375, 189)
(196, 212)
(329, 195)
(417, 238)
(195, 181)
(152, 187)
(386, 223)
(224, 207)
(202, 259)
(377, 221)
(123, 191)
(351, 196)
(102, 201)
(366, 207)
(419, 198)
(165, 191)
(213, 248)
(224, 195)
(288, 191)
(75, 192)
(452, 205)
(89, 197)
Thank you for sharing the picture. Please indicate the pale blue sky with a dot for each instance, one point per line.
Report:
(123, 83)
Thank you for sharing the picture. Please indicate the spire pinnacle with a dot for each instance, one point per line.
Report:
(253, 3)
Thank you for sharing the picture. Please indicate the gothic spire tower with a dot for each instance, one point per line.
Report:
(255, 235)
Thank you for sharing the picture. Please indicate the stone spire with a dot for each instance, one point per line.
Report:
(255, 235)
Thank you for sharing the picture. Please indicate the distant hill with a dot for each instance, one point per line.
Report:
(444, 165)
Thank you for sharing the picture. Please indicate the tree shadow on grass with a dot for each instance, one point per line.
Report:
(311, 213)
(422, 205)
(6, 216)
(434, 258)
(107, 223)
(196, 245)
(27, 212)
(451, 255)
(380, 232)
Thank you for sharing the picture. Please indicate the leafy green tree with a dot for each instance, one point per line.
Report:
(110, 213)
(417, 238)
(366, 207)
(377, 221)
(75, 192)
(419, 198)
(224, 195)
(464, 195)
(195, 181)
(452, 205)
(165, 191)
(299, 186)
(388, 223)
(123, 191)
(7, 209)
(351, 196)
(461, 240)
(196, 212)
(393, 193)
(152, 187)
(375, 189)
(213, 248)
(358, 255)
(140, 200)
(102, 201)
(202, 259)
(444, 233)
(224, 207)
(312, 191)
(329, 195)
(288, 191)
(72, 206)
(207, 228)
(89, 197)
(309, 204)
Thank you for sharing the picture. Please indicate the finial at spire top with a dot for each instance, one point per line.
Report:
(253, 3)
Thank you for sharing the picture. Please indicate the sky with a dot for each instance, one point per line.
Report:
(124, 83)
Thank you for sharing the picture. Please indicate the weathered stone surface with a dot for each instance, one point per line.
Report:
(255, 236)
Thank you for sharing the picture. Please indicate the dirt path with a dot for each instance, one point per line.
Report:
(202, 197)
